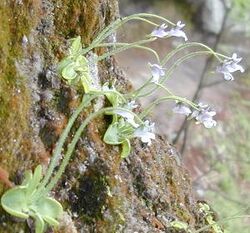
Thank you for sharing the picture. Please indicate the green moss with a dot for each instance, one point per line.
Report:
(16, 21)
(78, 17)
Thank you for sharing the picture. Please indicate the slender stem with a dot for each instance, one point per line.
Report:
(191, 44)
(110, 91)
(57, 152)
(163, 99)
(171, 54)
(172, 68)
(74, 141)
(111, 28)
(136, 93)
(135, 46)
(164, 88)
(182, 59)
(116, 24)
(128, 46)
(147, 15)
(199, 88)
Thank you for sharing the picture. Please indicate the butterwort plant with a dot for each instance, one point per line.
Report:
(32, 198)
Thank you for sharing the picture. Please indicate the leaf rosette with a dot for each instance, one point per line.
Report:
(23, 201)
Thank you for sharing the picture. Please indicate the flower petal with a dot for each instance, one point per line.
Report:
(145, 132)
(182, 109)
(157, 71)
(159, 31)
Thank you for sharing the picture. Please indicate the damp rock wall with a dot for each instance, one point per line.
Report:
(99, 191)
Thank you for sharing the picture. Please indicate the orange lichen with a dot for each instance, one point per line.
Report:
(4, 178)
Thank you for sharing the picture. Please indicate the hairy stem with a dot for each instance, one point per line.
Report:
(57, 152)
(170, 71)
(125, 47)
(135, 46)
(119, 22)
(74, 141)
(163, 99)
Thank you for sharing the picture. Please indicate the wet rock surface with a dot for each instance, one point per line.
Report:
(99, 191)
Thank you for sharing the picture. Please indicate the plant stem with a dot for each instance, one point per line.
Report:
(185, 126)
(57, 152)
(116, 24)
(74, 141)
(171, 70)
(135, 46)
(191, 44)
(128, 46)
(166, 98)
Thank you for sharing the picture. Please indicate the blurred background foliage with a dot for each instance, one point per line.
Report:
(226, 179)
(218, 159)
(240, 12)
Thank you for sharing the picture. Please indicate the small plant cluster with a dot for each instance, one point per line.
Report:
(31, 198)
(205, 210)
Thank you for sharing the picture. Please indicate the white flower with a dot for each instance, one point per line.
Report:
(177, 31)
(230, 66)
(145, 132)
(129, 117)
(201, 107)
(180, 108)
(159, 31)
(204, 116)
(131, 105)
(157, 71)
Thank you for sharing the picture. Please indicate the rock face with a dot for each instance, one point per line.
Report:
(212, 16)
(211, 13)
(100, 191)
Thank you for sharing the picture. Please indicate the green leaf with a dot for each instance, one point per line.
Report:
(33, 183)
(49, 209)
(76, 46)
(112, 95)
(69, 72)
(126, 149)
(86, 83)
(62, 64)
(27, 178)
(179, 225)
(14, 201)
(112, 135)
(82, 64)
(75, 67)
(39, 223)
(84, 73)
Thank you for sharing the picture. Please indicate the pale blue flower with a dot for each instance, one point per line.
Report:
(180, 108)
(230, 66)
(131, 105)
(157, 71)
(128, 116)
(204, 116)
(145, 132)
(177, 31)
(159, 31)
